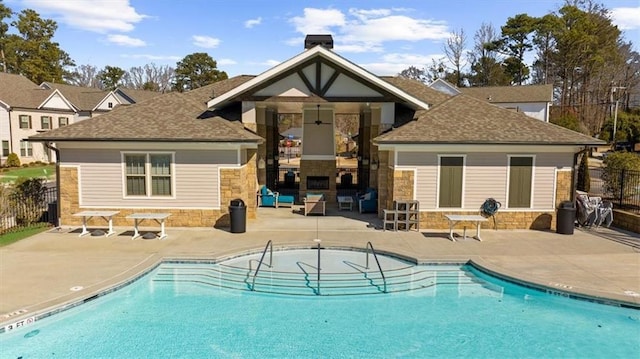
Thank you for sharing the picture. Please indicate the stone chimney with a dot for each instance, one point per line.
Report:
(325, 41)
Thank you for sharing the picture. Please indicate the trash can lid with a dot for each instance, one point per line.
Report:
(237, 202)
(566, 204)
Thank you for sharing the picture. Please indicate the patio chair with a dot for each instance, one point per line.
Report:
(593, 210)
(314, 203)
(269, 198)
(368, 202)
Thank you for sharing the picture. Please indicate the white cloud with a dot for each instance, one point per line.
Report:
(152, 57)
(392, 64)
(124, 40)
(363, 30)
(205, 41)
(318, 21)
(627, 18)
(253, 22)
(92, 15)
(226, 62)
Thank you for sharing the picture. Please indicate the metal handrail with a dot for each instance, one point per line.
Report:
(268, 246)
(384, 280)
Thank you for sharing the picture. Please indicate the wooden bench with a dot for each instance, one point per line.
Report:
(457, 218)
(141, 217)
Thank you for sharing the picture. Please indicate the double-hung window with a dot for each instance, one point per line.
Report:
(450, 183)
(25, 121)
(25, 149)
(63, 121)
(5, 148)
(45, 122)
(520, 181)
(148, 174)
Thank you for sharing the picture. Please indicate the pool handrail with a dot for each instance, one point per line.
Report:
(264, 252)
(373, 251)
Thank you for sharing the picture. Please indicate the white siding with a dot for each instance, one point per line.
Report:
(345, 86)
(485, 177)
(57, 102)
(289, 86)
(4, 129)
(196, 179)
(536, 110)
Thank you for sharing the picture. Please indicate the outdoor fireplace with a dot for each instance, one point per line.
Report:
(317, 182)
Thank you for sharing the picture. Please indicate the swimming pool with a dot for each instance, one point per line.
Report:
(465, 313)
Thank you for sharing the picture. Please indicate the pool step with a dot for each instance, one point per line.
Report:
(411, 278)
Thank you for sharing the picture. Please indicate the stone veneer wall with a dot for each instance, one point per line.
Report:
(403, 185)
(385, 183)
(319, 168)
(626, 220)
(234, 183)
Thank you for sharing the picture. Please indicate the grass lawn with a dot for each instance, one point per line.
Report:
(13, 237)
(47, 171)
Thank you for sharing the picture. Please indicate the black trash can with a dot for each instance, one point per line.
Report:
(566, 217)
(52, 213)
(290, 179)
(238, 216)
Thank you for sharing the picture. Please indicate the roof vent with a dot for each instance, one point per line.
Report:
(325, 41)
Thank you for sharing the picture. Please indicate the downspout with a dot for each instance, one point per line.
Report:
(574, 177)
(58, 196)
(10, 133)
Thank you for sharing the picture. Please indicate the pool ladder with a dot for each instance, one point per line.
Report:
(373, 251)
(270, 247)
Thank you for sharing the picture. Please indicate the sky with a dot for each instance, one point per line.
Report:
(249, 37)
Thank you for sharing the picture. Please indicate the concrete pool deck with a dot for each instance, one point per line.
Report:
(58, 267)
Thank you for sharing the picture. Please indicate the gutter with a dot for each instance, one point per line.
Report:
(58, 195)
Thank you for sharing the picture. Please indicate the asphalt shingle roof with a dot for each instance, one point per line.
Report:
(83, 98)
(466, 120)
(169, 117)
(18, 91)
(502, 94)
(417, 89)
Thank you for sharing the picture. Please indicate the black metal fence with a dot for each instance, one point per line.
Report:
(22, 212)
(621, 187)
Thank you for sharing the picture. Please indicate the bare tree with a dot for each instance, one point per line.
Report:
(150, 77)
(454, 49)
(85, 76)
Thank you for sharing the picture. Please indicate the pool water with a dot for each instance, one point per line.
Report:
(165, 319)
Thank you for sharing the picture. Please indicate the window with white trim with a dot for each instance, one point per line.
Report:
(25, 149)
(520, 181)
(63, 121)
(148, 174)
(25, 121)
(45, 122)
(5, 148)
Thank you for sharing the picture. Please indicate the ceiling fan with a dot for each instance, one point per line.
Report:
(318, 121)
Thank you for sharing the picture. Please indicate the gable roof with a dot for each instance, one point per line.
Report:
(316, 52)
(173, 117)
(417, 89)
(502, 94)
(18, 91)
(135, 95)
(82, 98)
(444, 86)
(466, 120)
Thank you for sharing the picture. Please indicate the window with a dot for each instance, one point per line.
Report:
(25, 149)
(5, 148)
(148, 174)
(25, 121)
(45, 122)
(110, 104)
(450, 188)
(520, 180)
(63, 121)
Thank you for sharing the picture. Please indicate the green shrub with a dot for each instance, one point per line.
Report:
(13, 160)
(584, 179)
(615, 164)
